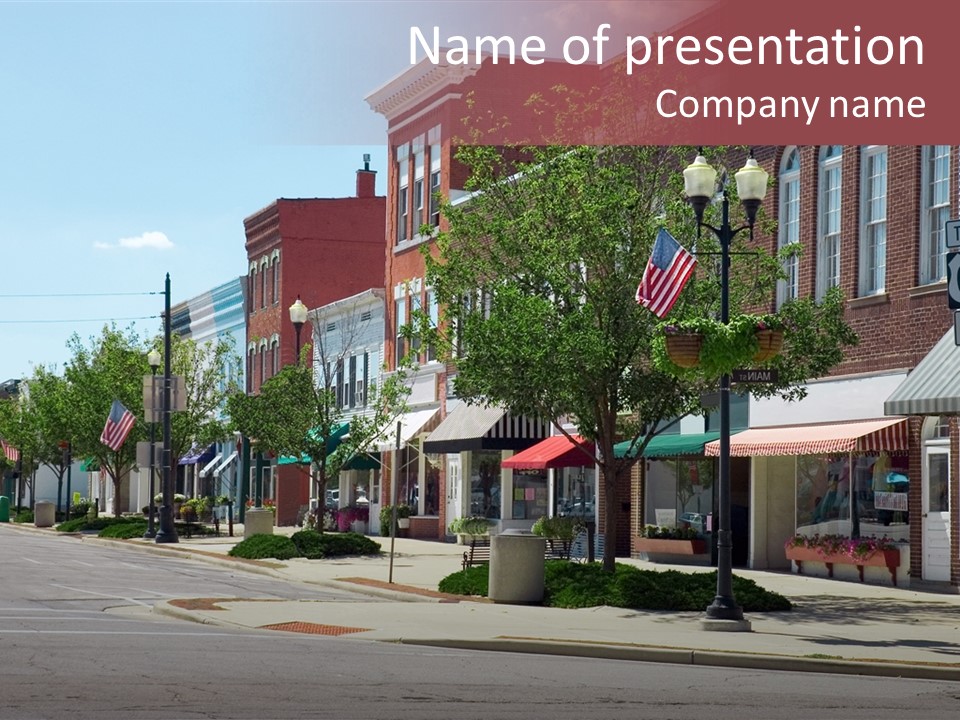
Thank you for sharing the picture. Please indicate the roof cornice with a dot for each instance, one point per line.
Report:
(416, 83)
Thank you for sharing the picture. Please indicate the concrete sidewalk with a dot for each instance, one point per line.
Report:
(836, 626)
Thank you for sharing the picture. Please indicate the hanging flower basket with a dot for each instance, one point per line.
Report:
(770, 344)
(684, 348)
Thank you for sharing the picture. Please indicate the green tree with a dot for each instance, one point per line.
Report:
(297, 412)
(538, 274)
(49, 398)
(20, 427)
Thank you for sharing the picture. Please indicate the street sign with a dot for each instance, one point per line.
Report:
(953, 280)
(951, 233)
(755, 375)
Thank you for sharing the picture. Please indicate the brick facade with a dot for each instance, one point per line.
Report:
(325, 249)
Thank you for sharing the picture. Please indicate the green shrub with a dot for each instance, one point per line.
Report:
(577, 585)
(470, 526)
(258, 547)
(403, 511)
(24, 516)
(124, 531)
(82, 524)
(312, 545)
(472, 581)
(79, 509)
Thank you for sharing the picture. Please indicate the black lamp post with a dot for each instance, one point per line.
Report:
(298, 316)
(153, 359)
(700, 185)
(168, 529)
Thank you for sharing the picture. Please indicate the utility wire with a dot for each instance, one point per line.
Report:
(82, 320)
(64, 295)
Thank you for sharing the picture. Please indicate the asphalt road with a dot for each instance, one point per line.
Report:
(77, 640)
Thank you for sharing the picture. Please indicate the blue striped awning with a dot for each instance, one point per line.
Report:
(198, 455)
(933, 386)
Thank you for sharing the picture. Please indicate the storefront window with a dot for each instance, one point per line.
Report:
(407, 490)
(680, 492)
(875, 505)
(575, 492)
(485, 484)
(431, 469)
(529, 494)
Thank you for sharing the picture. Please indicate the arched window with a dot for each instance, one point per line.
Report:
(251, 360)
(789, 223)
(829, 191)
(252, 288)
(264, 275)
(274, 355)
(263, 361)
(275, 271)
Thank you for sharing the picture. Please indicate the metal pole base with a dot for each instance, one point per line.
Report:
(724, 608)
(168, 531)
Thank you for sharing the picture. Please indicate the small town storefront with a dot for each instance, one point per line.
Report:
(476, 439)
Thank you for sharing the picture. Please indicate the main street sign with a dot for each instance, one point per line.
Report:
(755, 375)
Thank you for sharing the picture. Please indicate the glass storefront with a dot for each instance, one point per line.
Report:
(862, 496)
(680, 490)
(485, 487)
(530, 500)
(575, 491)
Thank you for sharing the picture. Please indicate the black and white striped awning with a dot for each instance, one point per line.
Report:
(933, 386)
(478, 427)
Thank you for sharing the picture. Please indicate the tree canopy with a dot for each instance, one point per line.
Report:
(537, 276)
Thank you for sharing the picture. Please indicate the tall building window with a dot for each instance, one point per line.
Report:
(433, 139)
(274, 356)
(934, 212)
(251, 362)
(873, 219)
(403, 191)
(788, 288)
(433, 310)
(828, 222)
(400, 320)
(252, 288)
(263, 278)
(263, 362)
(275, 267)
(419, 190)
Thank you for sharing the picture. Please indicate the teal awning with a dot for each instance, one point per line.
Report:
(362, 461)
(333, 442)
(664, 446)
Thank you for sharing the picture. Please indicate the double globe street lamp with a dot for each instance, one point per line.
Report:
(700, 186)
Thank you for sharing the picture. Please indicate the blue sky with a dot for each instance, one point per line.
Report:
(135, 138)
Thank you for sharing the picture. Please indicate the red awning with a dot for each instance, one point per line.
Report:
(865, 436)
(554, 452)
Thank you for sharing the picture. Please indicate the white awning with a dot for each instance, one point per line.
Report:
(225, 464)
(411, 424)
(933, 386)
(206, 468)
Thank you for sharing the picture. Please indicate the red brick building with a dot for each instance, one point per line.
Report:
(317, 249)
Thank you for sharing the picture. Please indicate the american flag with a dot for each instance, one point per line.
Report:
(10, 451)
(119, 423)
(668, 270)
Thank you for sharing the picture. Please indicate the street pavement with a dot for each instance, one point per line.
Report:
(836, 626)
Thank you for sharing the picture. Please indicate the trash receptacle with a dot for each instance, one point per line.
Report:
(516, 567)
(44, 514)
(4, 509)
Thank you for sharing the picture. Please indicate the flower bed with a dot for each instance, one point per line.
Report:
(839, 549)
(657, 540)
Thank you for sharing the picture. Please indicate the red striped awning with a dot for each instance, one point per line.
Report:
(554, 452)
(864, 436)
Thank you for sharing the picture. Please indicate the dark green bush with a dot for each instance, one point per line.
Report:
(124, 531)
(24, 516)
(472, 581)
(259, 547)
(313, 545)
(577, 585)
(82, 524)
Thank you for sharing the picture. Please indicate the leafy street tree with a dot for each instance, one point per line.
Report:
(537, 277)
(112, 366)
(49, 400)
(20, 428)
(298, 412)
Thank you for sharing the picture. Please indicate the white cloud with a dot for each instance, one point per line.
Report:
(154, 239)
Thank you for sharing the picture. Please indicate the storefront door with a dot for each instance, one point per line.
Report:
(453, 487)
(936, 514)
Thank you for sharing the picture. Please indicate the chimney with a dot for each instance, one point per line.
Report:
(366, 179)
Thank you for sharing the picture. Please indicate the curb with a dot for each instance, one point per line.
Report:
(708, 658)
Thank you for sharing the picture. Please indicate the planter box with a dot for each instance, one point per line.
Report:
(884, 558)
(662, 546)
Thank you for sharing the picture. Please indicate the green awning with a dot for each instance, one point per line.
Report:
(362, 461)
(671, 445)
(90, 465)
(333, 442)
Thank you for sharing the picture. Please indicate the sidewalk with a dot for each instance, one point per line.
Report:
(836, 626)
